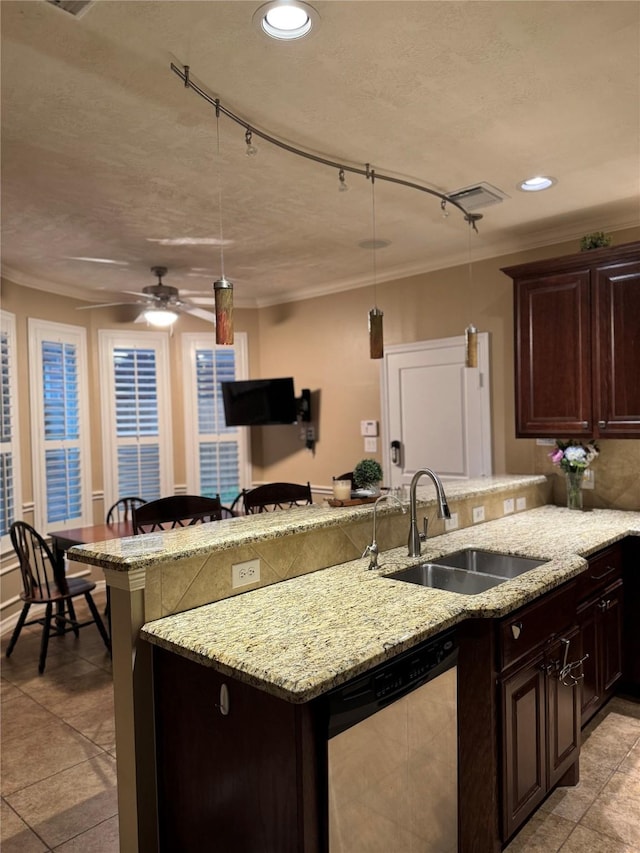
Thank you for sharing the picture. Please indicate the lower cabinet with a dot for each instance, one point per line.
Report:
(541, 731)
(540, 695)
(600, 617)
(236, 767)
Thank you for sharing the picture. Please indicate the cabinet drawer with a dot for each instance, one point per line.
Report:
(536, 623)
(604, 568)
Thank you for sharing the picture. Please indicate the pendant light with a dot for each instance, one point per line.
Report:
(222, 288)
(376, 339)
(471, 332)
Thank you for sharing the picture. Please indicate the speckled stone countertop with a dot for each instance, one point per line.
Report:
(299, 638)
(136, 552)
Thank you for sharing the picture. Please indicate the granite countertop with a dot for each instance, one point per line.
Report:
(138, 552)
(301, 637)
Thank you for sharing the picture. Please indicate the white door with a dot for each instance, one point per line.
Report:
(436, 411)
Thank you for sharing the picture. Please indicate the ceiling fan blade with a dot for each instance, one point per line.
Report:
(102, 305)
(198, 312)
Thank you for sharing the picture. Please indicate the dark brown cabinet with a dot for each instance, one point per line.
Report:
(540, 705)
(577, 345)
(600, 617)
(236, 766)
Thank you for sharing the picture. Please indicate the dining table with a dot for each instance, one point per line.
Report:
(62, 540)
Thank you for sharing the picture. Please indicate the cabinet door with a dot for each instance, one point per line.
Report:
(611, 610)
(563, 709)
(590, 641)
(617, 350)
(524, 744)
(553, 355)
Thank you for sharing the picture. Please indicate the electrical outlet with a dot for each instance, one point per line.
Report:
(245, 573)
(370, 445)
(545, 442)
(521, 503)
(588, 479)
(478, 514)
(508, 506)
(451, 523)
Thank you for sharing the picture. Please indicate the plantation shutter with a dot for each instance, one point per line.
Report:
(61, 431)
(137, 423)
(62, 479)
(136, 417)
(10, 500)
(218, 452)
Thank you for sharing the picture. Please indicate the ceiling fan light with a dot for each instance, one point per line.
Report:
(161, 318)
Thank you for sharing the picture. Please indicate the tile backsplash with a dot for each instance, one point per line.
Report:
(616, 473)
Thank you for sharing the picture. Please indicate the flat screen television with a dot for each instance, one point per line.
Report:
(259, 402)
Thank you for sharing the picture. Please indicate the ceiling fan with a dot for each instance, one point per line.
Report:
(162, 304)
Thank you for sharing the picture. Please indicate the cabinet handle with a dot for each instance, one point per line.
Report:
(223, 705)
(604, 605)
(585, 424)
(602, 424)
(516, 629)
(607, 571)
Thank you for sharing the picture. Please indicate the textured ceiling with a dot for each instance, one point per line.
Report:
(105, 153)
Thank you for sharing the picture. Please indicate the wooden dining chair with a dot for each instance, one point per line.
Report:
(122, 509)
(44, 583)
(176, 511)
(272, 496)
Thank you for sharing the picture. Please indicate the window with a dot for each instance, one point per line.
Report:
(136, 415)
(10, 496)
(217, 455)
(59, 405)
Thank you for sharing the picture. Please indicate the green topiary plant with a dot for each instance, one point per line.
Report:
(366, 473)
(594, 241)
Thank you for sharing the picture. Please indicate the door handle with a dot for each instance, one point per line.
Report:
(395, 452)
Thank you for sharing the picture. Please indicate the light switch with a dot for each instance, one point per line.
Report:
(371, 445)
(368, 427)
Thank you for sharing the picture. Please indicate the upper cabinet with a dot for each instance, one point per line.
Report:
(577, 345)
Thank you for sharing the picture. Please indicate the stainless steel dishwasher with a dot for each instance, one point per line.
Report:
(393, 755)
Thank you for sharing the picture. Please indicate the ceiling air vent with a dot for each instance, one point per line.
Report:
(73, 7)
(478, 195)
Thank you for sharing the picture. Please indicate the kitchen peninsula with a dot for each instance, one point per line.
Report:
(339, 621)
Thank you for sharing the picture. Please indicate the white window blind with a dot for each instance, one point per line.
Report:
(62, 477)
(10, 493)
(137, 418)
(217, 455)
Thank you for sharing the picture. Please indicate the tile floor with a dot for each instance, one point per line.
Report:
(58, 781)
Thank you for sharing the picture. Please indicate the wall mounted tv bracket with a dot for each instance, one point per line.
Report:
(303, 405)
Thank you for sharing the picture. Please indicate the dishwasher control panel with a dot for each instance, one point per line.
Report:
(389, 681)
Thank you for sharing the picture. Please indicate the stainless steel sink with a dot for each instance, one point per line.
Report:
(488, 562)
(447, 578)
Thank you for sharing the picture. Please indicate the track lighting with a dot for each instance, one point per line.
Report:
(251, 148)
(267, 16)
(223, 288)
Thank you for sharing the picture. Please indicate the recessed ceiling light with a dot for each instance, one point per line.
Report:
(286, 19)
(539, 182)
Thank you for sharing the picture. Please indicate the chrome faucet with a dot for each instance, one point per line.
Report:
(415, 538)
(371, 551)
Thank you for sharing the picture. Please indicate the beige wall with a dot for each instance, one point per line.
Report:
(323, 344)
